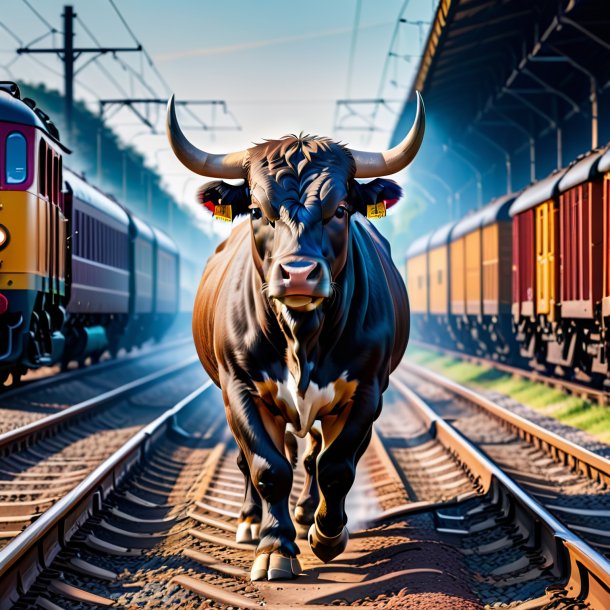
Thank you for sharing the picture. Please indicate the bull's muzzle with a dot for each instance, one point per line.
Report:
(300, 283)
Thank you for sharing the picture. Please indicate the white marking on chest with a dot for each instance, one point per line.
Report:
(308, 405)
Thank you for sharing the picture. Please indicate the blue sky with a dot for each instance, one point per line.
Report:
(280, 65)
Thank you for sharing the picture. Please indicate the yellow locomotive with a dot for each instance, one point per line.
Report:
(79, 274)
(33, 235)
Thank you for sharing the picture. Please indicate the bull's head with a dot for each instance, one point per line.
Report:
(299, 193)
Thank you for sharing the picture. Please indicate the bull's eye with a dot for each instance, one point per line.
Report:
(341, 211)
(257, 213)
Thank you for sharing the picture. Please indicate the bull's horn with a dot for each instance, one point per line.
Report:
(373, 164)
(200, 161)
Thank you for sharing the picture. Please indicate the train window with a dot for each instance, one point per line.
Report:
(88, 236)
(49, 173)
(16, 158)
(55, 193)
(76, 234)
(80, 228)
(439, 276)
(60, 183)
(42, 168)
(97, 255)
(94, 239)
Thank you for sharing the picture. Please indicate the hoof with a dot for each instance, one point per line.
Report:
(247, 532)
(303, 516)
(325, 548)
(275, 567)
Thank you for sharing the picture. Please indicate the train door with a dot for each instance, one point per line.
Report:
(491, 270)
(458, 288)
(545, 285)
(472, 253)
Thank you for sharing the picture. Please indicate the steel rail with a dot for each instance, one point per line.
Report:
(592, 465)
(38, 384)
(573, 387)
(25, 434)
(573, 552)
(40, 542)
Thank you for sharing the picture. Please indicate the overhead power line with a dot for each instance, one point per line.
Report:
(363, 114)
(69, 54)
(352, 49)
(40, 17)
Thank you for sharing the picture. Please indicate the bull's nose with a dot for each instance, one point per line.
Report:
(300, 271)
(299, 277)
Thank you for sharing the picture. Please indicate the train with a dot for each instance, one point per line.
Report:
(79, 273)
(525, 279)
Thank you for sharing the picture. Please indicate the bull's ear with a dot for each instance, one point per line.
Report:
(225, 201)
(374, 198)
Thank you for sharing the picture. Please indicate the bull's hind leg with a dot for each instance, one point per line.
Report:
(346, 438)
(310, 496)
(249, 523)
(261, 438)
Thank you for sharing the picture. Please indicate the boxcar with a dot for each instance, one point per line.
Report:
(535, 270)
(480, 281)
(581, 275)
(580, 209)
(417, 284)
(458, 319)
(439, 282)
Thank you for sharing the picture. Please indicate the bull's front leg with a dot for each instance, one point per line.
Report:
(260, 437)
(346, 438)
(310, 496)
(248, 528)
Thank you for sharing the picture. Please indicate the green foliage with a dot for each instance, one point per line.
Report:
(568, 409)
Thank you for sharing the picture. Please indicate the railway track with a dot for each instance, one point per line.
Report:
(37, 399)
(577, 388)
(42, 461)
(435, 523)
(565, 481)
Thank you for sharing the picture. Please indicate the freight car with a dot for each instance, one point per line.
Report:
(560, 273)
(553, 238)
(457, 279)
(79, 274)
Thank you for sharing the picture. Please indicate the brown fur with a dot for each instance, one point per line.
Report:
(206, 300)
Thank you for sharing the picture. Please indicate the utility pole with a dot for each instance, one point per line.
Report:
(69, 54)
(68, 65)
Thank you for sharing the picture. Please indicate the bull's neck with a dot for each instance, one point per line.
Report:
(309, 336)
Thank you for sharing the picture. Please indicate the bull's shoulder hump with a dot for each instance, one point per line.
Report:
(237, 243)
(366, 232)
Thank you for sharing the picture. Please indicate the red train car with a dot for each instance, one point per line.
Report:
(534, 294)
(559, 263)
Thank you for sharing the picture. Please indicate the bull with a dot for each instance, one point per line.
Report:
(300, 317)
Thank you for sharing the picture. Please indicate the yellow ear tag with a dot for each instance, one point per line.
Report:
(223, 212)
(377, 210)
